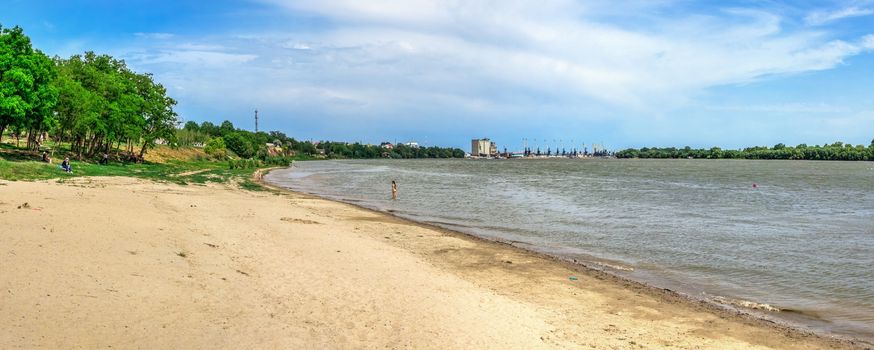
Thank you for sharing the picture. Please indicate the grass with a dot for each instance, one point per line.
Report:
(180, 172)
(18, 165)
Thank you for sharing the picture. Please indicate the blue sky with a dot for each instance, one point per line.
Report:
(626, 74)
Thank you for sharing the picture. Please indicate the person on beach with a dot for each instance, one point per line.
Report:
(65, 165)
(394, 190)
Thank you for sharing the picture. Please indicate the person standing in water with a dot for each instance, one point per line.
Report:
(394, 190)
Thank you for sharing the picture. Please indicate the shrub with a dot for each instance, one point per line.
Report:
(216, 148)
(239, 145)
(244, 164)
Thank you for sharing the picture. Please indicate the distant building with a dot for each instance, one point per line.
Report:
(483, 148)
(412, 144)
(387, 145)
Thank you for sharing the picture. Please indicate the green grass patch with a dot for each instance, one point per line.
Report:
(182, 173)
(29, 170)
(20, 166)
(249, 185)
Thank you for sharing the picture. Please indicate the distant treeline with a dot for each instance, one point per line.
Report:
(835, 151)
(224, 140)
(218, 140)
(361, 151)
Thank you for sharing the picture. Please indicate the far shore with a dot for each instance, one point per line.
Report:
(128, 263)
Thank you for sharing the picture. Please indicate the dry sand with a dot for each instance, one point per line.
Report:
(127, 263)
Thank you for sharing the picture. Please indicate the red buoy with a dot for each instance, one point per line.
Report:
(755, 186)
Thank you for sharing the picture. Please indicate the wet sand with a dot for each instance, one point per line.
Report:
(128, 263)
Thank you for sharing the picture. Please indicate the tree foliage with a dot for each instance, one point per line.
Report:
(401, 151)
(27, 94)
(835, 151)
(216, 148)
(103, 103)
(92, 101)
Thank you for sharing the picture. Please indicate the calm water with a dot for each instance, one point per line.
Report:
(802, 241)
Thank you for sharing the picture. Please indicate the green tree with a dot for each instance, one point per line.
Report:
(27, 95)
(216, 147)
(210, 129)
(238, 144)
(157, 110)
(191, 126)
(106, 107)
(226, 128)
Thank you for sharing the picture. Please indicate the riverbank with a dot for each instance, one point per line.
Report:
(131, 263)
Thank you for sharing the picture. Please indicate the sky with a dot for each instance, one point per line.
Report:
(440, 72)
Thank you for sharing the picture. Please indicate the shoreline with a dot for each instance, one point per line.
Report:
(130, 263)
(669, 295)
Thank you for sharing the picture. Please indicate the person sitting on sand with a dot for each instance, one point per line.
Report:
(394, 190)
(66, 165)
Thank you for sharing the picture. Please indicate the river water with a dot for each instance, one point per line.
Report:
(801, 240)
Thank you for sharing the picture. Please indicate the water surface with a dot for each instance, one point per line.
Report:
(801, 240)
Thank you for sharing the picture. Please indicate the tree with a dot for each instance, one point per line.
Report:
(191, 126)
(157, 109)
(27, 95)
(106, 107)
(226, 128)
(835, 151)
(210, 129)
(239, 145)
(102, 103)
(216, 147)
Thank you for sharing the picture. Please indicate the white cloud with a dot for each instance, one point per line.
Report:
(561, 48)
(201, 59)
(496, 60)
(822, 17)
(794, 108)
(868, 42)
(156, 36)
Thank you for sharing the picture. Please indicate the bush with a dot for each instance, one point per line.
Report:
(276, 161)
(244, 164)
(216, 148)
(239, 145)
(257, 163)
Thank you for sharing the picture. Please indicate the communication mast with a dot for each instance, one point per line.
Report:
(256, 120)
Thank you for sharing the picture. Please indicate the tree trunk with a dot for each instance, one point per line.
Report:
(2, 129)
(80, 143)
(92, 145)
(143, 150)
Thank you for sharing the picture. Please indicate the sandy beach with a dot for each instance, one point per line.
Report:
(125, 263)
